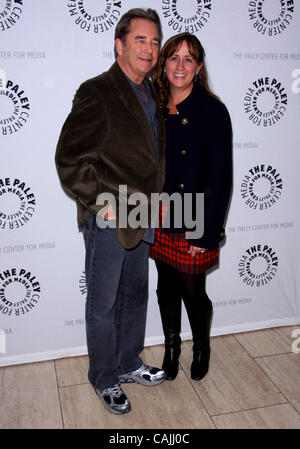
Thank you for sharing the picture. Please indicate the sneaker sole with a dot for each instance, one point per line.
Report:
(141, 381)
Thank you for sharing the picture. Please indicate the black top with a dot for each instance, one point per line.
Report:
(199, 159)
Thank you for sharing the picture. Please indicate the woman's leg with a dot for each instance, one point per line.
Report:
(169, 300)
(200, 312)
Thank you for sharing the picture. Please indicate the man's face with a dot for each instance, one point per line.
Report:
(139, 54)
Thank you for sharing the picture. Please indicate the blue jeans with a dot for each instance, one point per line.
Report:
(116, 307)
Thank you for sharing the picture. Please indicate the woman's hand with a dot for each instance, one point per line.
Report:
(195, 250)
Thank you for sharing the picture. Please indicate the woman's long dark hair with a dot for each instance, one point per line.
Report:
(169, 48)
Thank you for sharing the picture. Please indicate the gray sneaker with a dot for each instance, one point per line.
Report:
(145, 375)
(114, 399)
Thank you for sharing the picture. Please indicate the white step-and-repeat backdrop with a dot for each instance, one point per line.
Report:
(46, 50)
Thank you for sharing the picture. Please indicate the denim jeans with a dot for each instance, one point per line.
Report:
(116, 307)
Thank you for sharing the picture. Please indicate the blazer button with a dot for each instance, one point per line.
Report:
(183, 152)
(181, 186)
(184, 121)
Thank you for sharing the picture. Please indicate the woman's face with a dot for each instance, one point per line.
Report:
(181, 68)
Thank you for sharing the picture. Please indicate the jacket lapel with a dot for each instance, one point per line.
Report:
(129, 99)
(127, 95)
(161, 124)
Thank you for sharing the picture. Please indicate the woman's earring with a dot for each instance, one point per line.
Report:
(196, 78)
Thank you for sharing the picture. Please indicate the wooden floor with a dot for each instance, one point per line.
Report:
(253, 383)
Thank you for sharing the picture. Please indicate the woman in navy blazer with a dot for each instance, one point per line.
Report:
(198, 160)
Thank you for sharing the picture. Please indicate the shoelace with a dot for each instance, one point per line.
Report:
(116, 391)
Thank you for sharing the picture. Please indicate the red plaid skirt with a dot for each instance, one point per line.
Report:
(172, 248)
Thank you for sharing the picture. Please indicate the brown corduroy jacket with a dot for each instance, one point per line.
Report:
(107, 141)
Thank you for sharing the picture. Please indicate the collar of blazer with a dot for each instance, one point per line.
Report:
(126, 94)
(196, 100)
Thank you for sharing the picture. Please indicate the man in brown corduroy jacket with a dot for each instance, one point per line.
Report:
(114, 136)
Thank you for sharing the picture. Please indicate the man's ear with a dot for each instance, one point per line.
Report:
(119, 46)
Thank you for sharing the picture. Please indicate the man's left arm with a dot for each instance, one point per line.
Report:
(79, 146)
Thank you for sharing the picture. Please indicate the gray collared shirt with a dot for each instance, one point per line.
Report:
(144, 94)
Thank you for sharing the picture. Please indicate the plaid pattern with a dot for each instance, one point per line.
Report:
(172, 248)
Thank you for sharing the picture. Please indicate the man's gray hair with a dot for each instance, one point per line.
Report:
(123, 26)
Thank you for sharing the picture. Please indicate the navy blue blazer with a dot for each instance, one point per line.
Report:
(199, 159)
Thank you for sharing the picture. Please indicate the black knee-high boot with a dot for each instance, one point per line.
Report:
(200, 317)
(170, 311)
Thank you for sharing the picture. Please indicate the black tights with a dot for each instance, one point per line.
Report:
(173, 285)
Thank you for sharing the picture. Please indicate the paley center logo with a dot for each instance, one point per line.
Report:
(14, 106)
(17, 203)
(10, 12)
(258, 265)
(20, 291)
(188, 17)
(94, 16)
(82, 284)
(270, 17)
(265, 102)
(261, 187)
